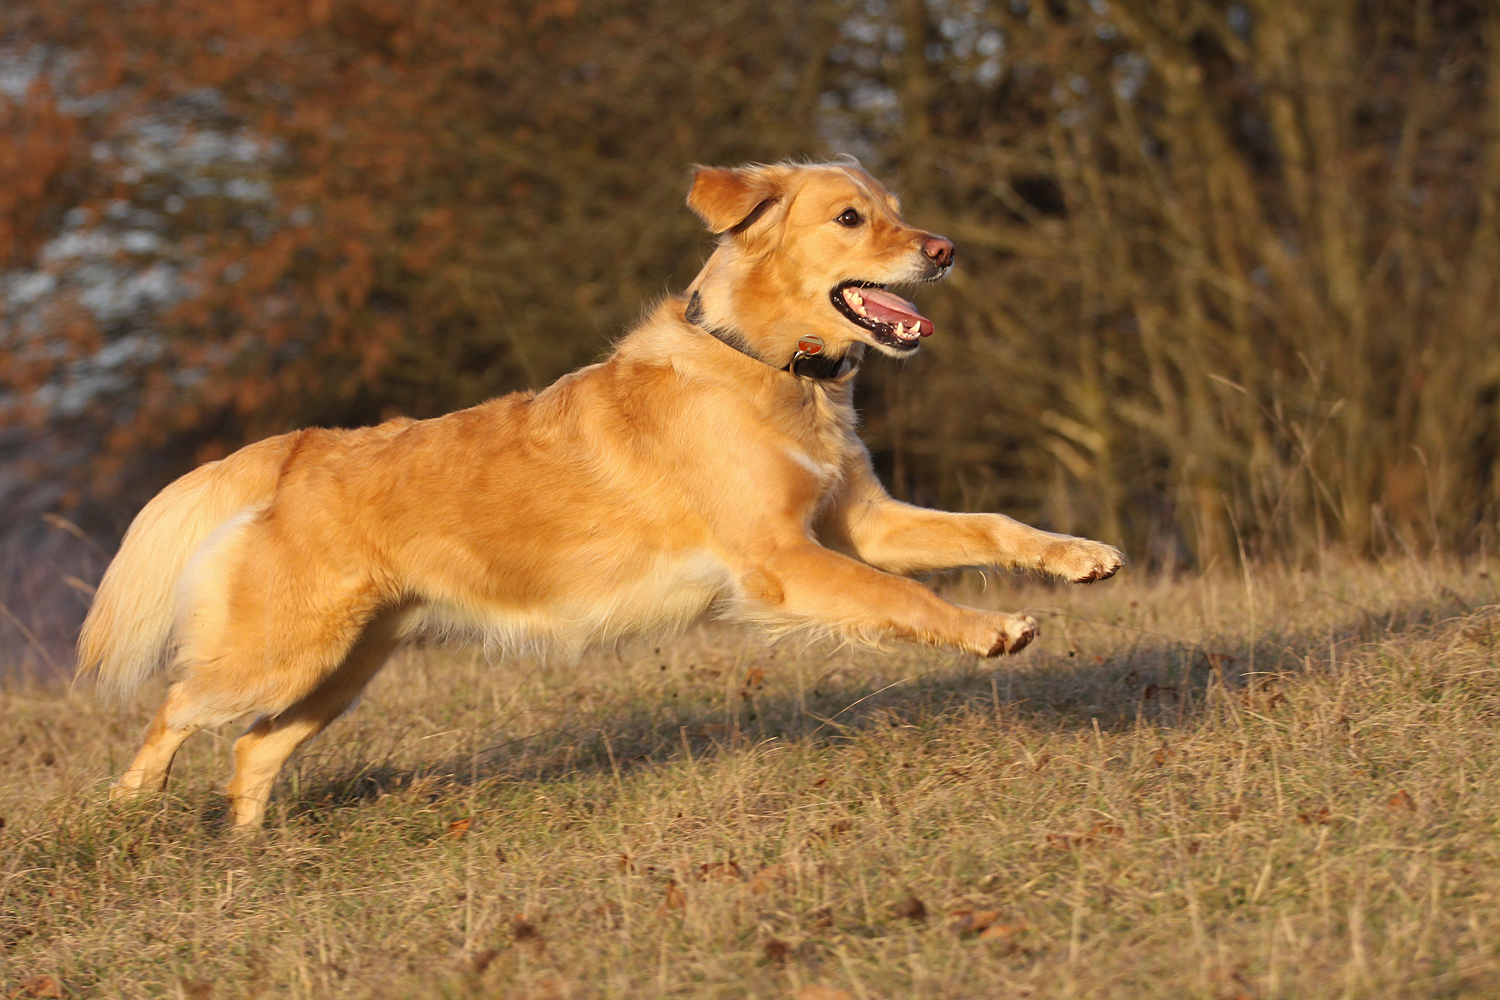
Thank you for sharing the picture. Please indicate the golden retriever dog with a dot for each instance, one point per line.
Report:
(709, 466)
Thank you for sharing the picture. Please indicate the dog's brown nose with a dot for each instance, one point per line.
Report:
(938, 250)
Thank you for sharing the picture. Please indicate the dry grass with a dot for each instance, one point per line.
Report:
(1283, 785)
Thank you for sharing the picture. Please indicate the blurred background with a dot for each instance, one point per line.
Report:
(1227, 282)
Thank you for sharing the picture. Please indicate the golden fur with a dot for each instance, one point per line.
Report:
(678, 478)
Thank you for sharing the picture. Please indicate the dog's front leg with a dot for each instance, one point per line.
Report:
(900, 538)
(805, 583)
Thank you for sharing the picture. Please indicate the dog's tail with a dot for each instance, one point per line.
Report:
(127, 635)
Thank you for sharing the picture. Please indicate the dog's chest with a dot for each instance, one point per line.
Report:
(816, 461)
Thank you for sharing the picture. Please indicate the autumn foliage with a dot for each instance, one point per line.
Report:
(1227, 272)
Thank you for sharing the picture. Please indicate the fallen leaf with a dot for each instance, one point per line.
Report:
(1067, 841)
(777, 951)
(1402, 800)
(39, 987)
(1319, 817)
(821, 918)
(719, 871)
(911, 908)
(971, 921)
(673, 898)
(817, 991)
(753, 677)
(459, 827)
(1001, 932)
(768, 878)
(626, 865)
(522, 929)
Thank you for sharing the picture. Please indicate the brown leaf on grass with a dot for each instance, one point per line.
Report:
(1001, 932)
(1402, 800)
(777, 951)
(1070, 841)
(965, 922)
(626, 864)
(911, 908)
(526, 935)
(768, 878)
(1042, 761)
(459, 827)
(1315, 817)
(817, 991)
(821, 782)
(38, 987)
(719, 871)
(673, 898)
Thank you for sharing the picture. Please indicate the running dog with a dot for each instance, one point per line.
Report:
(709, 466)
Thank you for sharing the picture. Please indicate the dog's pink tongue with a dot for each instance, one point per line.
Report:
(887, 308)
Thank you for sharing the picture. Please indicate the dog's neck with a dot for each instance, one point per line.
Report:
(808, 362)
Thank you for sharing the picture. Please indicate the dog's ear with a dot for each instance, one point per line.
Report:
(731, 200)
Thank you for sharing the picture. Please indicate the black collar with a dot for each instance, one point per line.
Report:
(808, 362)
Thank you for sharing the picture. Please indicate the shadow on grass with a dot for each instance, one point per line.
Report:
(1154, 680)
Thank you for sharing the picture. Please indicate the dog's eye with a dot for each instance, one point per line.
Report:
(849, 217)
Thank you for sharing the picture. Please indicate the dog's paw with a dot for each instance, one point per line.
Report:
(1014, 633)
(1079, 560)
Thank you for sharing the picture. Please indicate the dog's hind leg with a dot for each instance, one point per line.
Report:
(264, 748)
(174, 723)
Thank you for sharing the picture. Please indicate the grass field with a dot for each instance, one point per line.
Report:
(1283, 784)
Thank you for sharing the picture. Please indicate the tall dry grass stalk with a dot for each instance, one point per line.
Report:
(1229, 276)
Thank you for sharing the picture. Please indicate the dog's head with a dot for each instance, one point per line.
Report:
(810, 249)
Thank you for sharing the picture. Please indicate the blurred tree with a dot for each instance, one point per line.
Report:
(1227, 270)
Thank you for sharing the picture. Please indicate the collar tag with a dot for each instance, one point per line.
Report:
(810, 346)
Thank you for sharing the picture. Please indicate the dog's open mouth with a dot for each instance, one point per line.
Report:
(894, 321)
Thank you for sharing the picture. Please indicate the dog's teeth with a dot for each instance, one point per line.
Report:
(900, 329)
